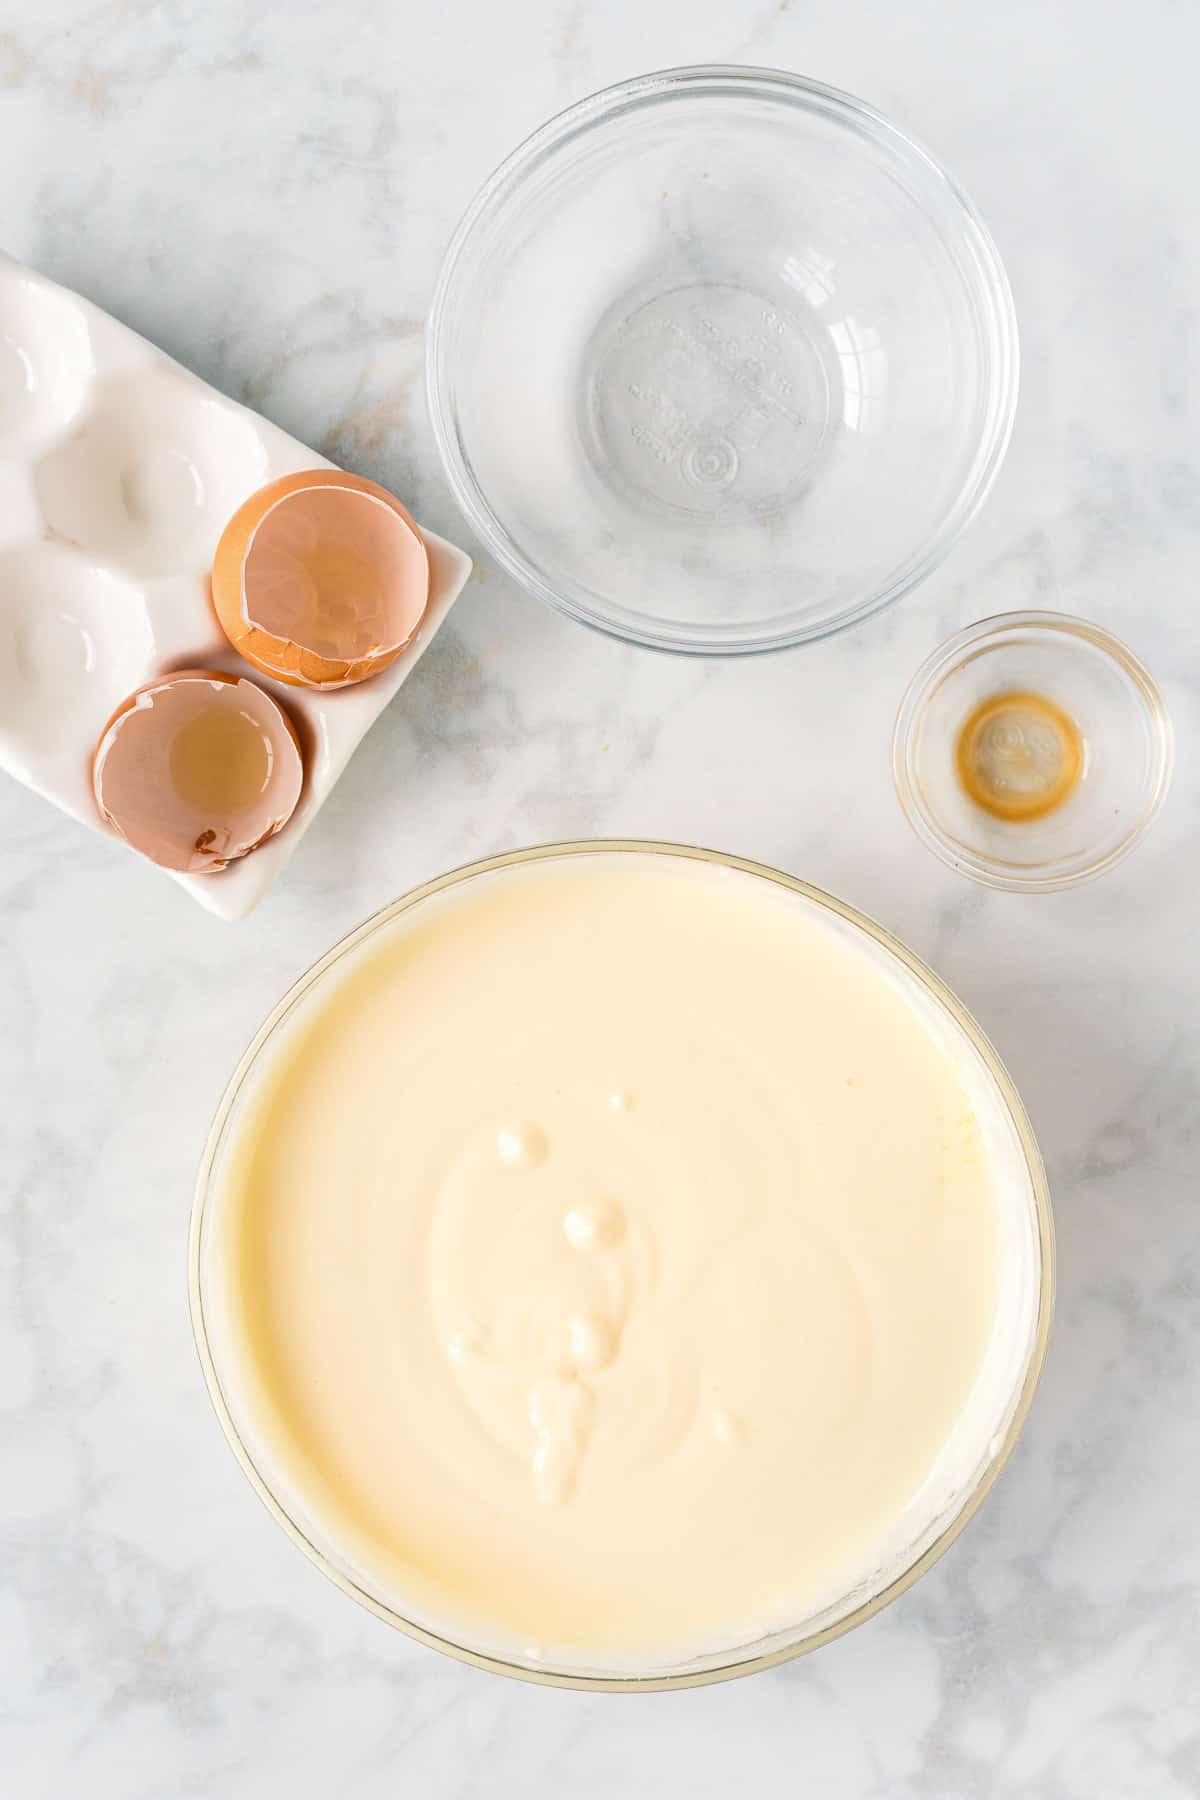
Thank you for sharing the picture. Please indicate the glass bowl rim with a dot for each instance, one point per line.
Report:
(989, 287)
(653, 1681)
(942, 662)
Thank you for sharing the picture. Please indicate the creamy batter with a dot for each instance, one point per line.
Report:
(612, 1258)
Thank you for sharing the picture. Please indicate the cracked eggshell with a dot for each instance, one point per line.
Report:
(321, 579)
(197, 769)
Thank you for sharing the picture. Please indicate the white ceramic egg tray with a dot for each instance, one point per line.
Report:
(118, 472)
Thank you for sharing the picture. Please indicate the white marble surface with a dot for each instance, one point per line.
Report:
(265, 192)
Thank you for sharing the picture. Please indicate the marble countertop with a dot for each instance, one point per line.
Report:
(265, 192)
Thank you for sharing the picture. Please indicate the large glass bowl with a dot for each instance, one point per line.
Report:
(721, 361)
(1010, 1387)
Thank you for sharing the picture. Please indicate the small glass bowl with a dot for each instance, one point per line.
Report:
(1117, 710)
(720, 361)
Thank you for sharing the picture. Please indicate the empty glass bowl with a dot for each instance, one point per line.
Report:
(1070, 718)
(721, 361)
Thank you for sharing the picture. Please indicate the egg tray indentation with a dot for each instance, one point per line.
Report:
(118, 472)
(45, 362)
(151, 473)
(75, 638)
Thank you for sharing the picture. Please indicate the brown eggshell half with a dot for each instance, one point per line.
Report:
(320, 579)
(197, 769)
